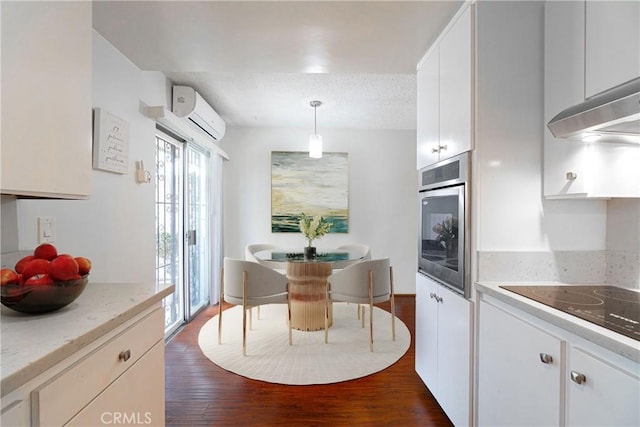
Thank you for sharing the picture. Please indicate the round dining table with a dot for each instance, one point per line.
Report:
(308, 281)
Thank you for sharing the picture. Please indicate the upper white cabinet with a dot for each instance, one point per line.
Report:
(612, 46)
(428, 109)
(445, 94)
(46, 99)
(443, 347)
(575, 169)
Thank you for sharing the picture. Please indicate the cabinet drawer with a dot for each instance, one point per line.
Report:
(60, 398)
(145, 381)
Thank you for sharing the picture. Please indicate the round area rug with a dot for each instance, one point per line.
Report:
(309, 360)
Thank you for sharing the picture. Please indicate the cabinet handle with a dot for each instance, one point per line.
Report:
(578, 378)
(438, 299)
(435, 150)
(571, 176)
(124, 355)
(546, 358)
(442, 147)
(432, 296)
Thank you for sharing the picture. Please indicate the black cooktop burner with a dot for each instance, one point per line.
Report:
(616, 309)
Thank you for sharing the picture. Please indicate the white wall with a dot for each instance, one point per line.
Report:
(115, 227)
(382, 192)
(512, 215)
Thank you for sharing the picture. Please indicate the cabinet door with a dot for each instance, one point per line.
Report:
(515, 387)
(136, 398)
(428, 109)
(15, 414)
(454, 356)
(609, 396)
(456, 88)
(46, 99)
(426, 332)
(612, 44)
(563, 87)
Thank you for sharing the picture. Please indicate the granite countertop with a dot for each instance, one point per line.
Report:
(31, 344)
(603, 337)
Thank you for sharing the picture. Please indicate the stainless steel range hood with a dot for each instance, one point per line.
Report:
(612, 116)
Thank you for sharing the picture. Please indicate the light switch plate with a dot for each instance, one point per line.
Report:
(46, 229)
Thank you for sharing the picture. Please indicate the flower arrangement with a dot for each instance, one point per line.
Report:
(313, 227)
(447, 230)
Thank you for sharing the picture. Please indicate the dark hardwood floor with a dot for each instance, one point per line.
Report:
(199, 393)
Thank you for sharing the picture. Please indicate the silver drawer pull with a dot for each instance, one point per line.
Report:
(432, 295)
(578, 378)
(546, 358)
(124, 355)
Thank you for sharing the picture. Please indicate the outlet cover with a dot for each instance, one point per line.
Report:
(46, 229)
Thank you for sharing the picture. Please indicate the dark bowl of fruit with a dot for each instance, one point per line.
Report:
(44, 297)
(44, 281)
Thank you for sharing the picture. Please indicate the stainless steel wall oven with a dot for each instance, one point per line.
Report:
(444, 229)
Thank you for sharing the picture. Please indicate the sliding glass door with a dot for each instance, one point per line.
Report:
(197, 219)
(183, 233)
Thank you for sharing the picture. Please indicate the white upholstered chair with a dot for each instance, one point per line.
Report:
(353, 247)
(358, 247)
(251, 284)
(250, 251)
(365, 282)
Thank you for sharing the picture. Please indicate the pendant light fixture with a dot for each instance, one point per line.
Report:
(315, 140)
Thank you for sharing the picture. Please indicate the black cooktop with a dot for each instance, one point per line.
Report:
(614, 308)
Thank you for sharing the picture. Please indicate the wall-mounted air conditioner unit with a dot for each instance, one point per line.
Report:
(189, 105)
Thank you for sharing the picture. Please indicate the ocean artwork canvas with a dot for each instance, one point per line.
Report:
(313, 186)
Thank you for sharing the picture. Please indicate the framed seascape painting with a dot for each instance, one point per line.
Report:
(313, 186)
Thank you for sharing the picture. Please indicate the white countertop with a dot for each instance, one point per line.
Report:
(613, 341)
(31, 344)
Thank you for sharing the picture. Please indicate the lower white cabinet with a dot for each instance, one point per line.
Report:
(519, 371)
(118, 379)
(443, 347)
(599, 393)
(531, 373)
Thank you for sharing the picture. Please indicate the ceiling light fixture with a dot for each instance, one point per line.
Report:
(315, 140)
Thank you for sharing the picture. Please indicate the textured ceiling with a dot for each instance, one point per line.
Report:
(260, 63)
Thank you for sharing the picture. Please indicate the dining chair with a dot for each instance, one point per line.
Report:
(251, 284)
(365, 282)
(357, 247)
(354, 247)
(250, 251)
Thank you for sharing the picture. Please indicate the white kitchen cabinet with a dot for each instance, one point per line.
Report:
(612, 45)
(120, 376)
(519, 371)
(46, 99)
(575, 169)
(445, 93)
(607, 396)
(516, 388)
(145, 381)
(456, 89)
(428, 109)
(443, 347)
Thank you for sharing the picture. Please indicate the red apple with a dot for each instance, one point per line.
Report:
(36, 266)
(63, 268)
(84, 265)
(45, 251)
(39, 279)
(20, 264)
(9, 277)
